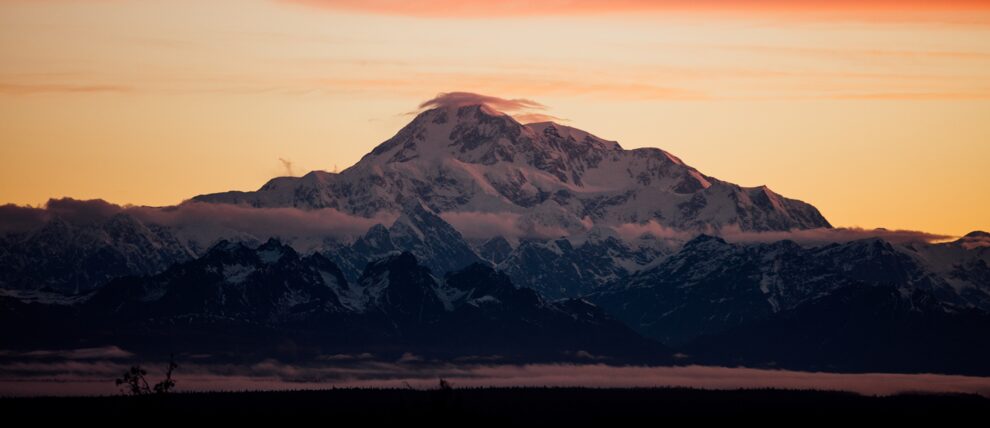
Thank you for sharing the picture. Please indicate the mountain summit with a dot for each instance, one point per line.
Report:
(545, 175)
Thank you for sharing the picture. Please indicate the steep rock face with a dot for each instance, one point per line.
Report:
(562, 268)
(253, 301)
(710, 286)
(419, 231)
(474, 159)
(269, 284)
(488, 308)
(859, 306)
(495, 250)
(402, 290)
(72, 257)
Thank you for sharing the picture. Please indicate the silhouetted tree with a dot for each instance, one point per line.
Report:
(133, 381)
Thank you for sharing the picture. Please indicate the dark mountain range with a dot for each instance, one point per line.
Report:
(864, 305)
(554, 205)
(73, 256)
(236, 299)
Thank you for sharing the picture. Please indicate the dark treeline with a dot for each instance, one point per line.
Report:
(484, 406)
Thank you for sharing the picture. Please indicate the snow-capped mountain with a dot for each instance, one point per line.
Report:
(549, 178)
(711, 285)
(254, 299)
(558, 209)
(76, 256)
(557, 268)
(865, 305)
(434, 242)
(231, 282)
(576, 266)
(860, 328)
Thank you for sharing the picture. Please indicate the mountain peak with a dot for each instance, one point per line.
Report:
(553, 129)
(705, 240)
(975, 239)
(403, 260)
(225, 246)
(464, 156)
(273, 250)
(469, 112)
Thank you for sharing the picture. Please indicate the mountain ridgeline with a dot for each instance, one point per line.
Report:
(555, 274)
(237, 301)
(474, 159)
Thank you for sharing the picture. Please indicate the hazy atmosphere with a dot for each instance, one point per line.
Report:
(578, 211)
(874, 111)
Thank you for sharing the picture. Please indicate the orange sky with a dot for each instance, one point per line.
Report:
(507, 8)
(874, 111)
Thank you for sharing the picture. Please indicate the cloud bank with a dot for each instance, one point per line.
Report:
(633, 231)
(538, 117)
(512, 226)
(487, 9)
(519, 108)
(978, 239)
(461, 99)
(207, 221)
(808, 237)
(827, 236)
(43, 376)
(261, 222)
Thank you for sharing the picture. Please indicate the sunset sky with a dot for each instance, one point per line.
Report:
(877, 112)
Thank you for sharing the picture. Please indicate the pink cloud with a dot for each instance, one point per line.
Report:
(633, 231)
(42, 88)
(825, 236)
(88, 371)
(261, 222)
(487, 9)
(461, 99)
(208, 220)
(14, 218)
(976, 243)
(537, 117)
(105, 352)
(87, 378)
(481, 225)
(512, 226)
(80, 211)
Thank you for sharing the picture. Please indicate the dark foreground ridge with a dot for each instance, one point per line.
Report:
(488, 406)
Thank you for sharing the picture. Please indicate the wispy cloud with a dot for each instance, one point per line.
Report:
(821, 236)
(512, 226)
(519, 108)
(64, 88)
(460, 99)
(537, 117)
(652, 228)
(204, 221)
(918, 96)
(482, 8)
(826, 236)
(104, 352)
(287, 165)
(621, 86)
(30, 377)
(845, 53)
